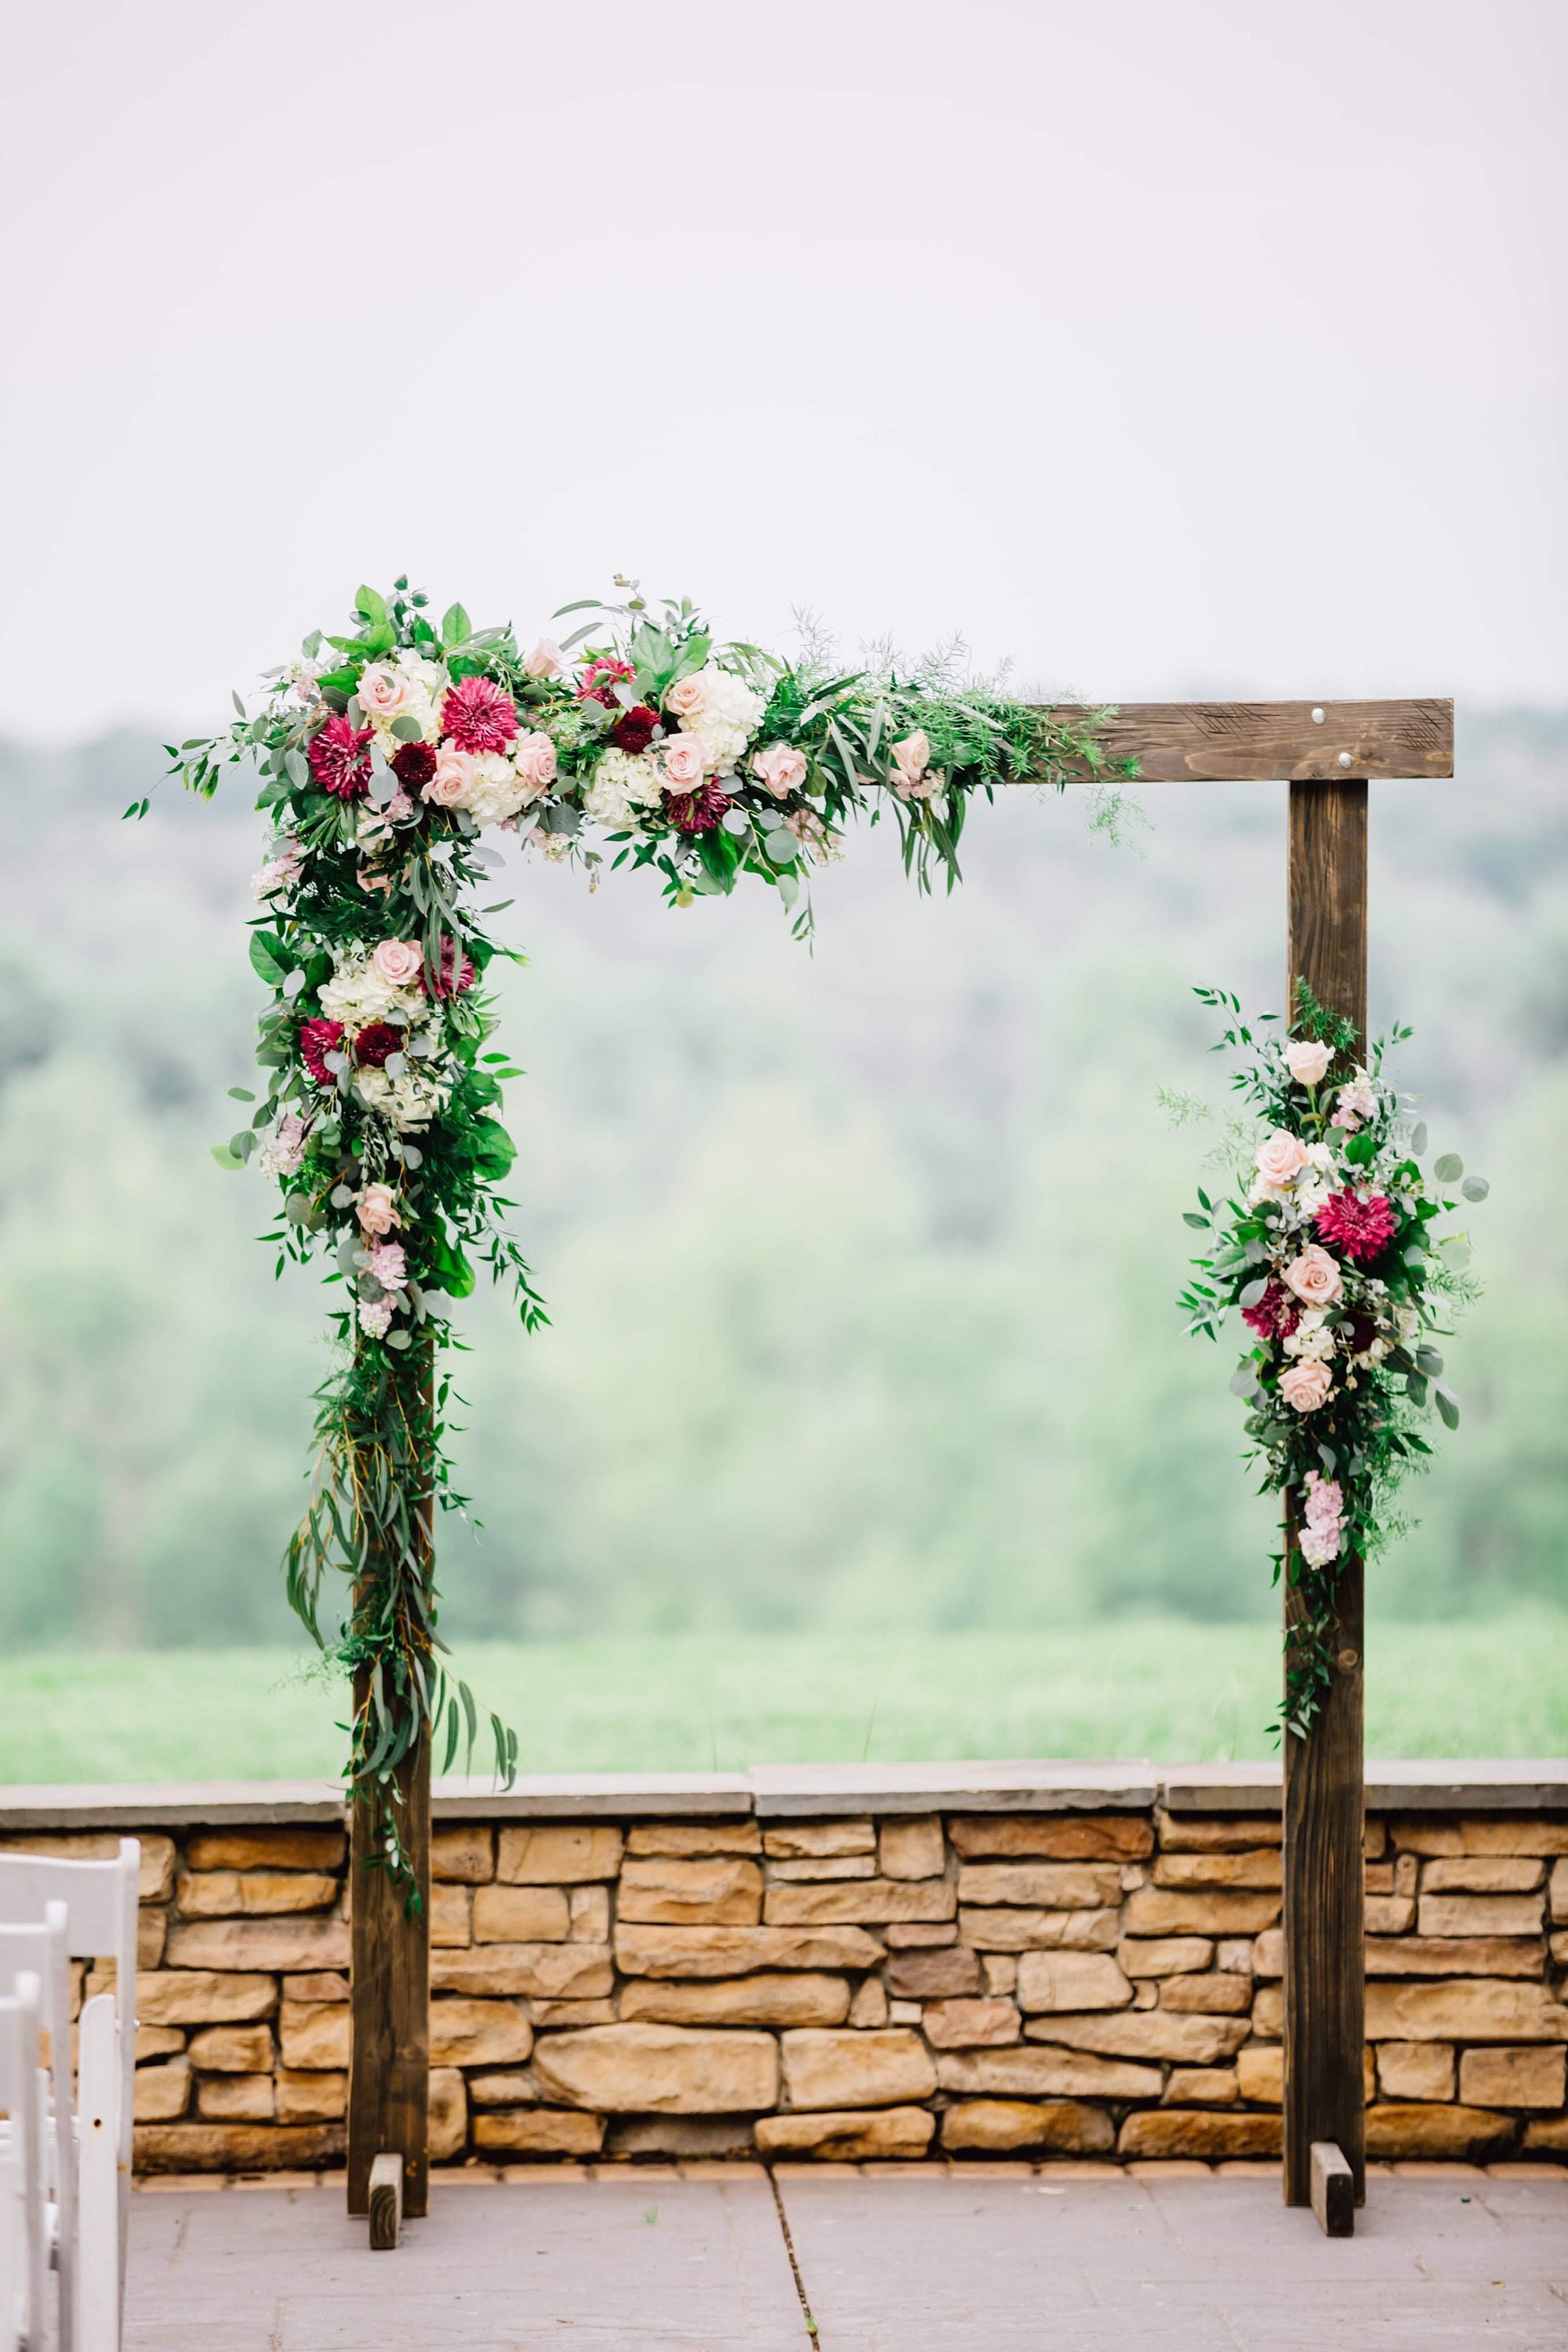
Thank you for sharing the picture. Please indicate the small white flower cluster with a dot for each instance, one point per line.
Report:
(409, 1102)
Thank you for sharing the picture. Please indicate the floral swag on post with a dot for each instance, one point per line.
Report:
(387, 756)
(1331, 1257)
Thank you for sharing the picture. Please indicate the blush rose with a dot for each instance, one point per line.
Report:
(376, 1209)
(1314, 1278)
(1280, 1157)
(780, 767)
(534, 760)
(683, 763)
(1306, 1386)
(397, 960)
(1306, 1059)
(454, 774)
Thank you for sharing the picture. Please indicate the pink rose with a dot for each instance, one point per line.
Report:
(683, 763)
(389, 1265)
(377, 1209)
(911, 757)
(384, 692)
(546, 660)
(534, 760)
(685, 697)
(397, 960)
(1314, 1278)
(1280, 1157)
(780, 767)
(1307, 1060)
(454, 774)
(1306, 1386)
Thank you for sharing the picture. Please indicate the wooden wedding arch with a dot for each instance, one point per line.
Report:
(1329, 753)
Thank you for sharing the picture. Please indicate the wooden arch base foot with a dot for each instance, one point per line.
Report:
(1334, 2191)
(386, 2202)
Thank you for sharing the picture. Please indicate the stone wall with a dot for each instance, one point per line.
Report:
(968, 1960)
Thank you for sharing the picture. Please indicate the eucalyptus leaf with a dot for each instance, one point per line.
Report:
(1456, 1254)
(1448, 1168)
(1448, 1407)
(1253, 1294)
(1418, 1138)
(782, 847)
(1429, 1360)
(1475, 1188)
(294, 985)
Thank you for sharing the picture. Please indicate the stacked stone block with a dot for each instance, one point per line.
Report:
(1078, 1983)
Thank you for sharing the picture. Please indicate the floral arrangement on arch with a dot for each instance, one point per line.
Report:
(1331, 1259)
(387, 755)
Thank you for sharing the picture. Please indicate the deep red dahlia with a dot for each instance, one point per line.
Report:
(444, 985)
(374, 1043)
(317, 1040)
(1360, 1224)
(633, 730)
(338, 761)
(697, 812)
(479, 716)
(597, 681)
(414, 764)
(1275, 1315)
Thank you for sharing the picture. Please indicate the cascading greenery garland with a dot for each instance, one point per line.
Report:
(1331, 1257)
(384, 755)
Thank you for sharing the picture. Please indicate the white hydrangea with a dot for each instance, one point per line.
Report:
(357, 994)
(624, 784)
(497, 791)
(1312, 1339)
(727, 715)
(408, 1103)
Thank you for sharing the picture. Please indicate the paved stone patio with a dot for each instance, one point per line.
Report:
(888, 2258)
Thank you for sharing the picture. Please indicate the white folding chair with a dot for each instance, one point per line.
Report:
(24, 2267)
(101, 2270)
(44, 1950)
(100, 1897)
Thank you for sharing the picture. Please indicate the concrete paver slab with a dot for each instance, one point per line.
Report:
(1215, 2264)
(675, 2266)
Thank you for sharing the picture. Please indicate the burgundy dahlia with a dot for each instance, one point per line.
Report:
(479, 716)
(597, 681)
(633, 730)
(1275, 1315)
(1360, 1224)
(697, 812)
(374, 1043)
(317, 1040)
(414, 764)
(444, 985)
(338, 761)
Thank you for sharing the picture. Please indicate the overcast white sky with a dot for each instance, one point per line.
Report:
(1168, 347)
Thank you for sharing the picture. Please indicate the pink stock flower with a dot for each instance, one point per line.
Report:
(1322, 1531)
(479, 716)
(1361, 1224)
(317, 1040)
(338, 761)
(1306, 1386)
(375, 1315)
(284, 1153)
(397, 960)
(376, 1209)
(389, 1265)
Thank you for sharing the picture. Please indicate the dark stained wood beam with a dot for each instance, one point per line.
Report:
(1301, 743)
(1325, 1914)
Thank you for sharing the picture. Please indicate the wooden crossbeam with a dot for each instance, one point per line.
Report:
(1300, 743)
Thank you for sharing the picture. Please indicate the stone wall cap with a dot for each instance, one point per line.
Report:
(1480, 1784)
(593, 1796)
(166, 1804)
(796, 1790)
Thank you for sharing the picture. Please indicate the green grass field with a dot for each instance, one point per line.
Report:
(1169, 1691)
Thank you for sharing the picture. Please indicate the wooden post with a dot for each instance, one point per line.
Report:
(1325, 1998)
(389, 2066)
